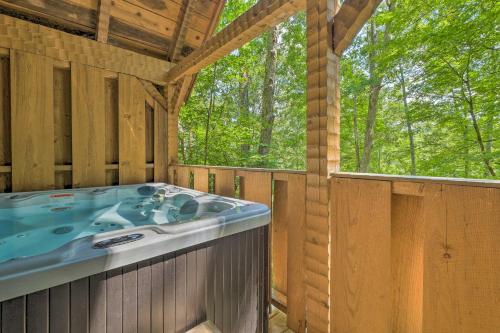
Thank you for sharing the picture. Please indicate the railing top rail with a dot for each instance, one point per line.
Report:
(240, 168)
(420, 179)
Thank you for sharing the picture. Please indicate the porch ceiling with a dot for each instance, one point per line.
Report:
(166, 29)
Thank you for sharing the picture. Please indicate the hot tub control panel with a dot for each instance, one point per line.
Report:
(117, 241)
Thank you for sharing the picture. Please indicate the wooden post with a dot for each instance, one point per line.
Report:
(323, 156)
(172, 132)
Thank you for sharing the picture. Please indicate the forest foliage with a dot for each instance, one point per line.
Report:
(419, 94)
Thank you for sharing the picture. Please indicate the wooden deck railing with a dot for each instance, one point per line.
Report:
(414, 254)
(408, 254)
(284, 191)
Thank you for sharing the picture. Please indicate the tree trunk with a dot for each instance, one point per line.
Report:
(409, 125)
(182, 149)
(375, 87)
(245, 107)
(209, 112)
(470, 103)
(356, 132)
(267, 115)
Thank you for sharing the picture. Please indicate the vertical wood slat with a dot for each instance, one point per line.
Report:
(183, 175)
(157, 295)
(280, 230)
(111, 132)
(5, 122)
(224, 182)
(180, 293)
(59, 308)
(407, 256)
(226, 286)
(97, 303)
(14, 315)
(361, 286)
(160, 143)
(132, 132)
(114, 300)
(129, 299)
(219, 285)
(201, 285)
(461, 259)
(31, 89)
(210, 292)
(169, 287)
(62, 125)
(235, 270)
(191, 292)
(79, 307)
(242, 285)
(88, 126)
(295, 275)
(201, 179)
(144, 296)
(37, 312)
(257, 186)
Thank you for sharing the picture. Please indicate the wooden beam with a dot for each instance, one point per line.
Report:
(154, 93)
(102, 28)
(351, 17)
(258, 19)
(190, 79)
(181, 93)
(182, 27)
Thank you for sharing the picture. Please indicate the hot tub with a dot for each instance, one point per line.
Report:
(139, 257)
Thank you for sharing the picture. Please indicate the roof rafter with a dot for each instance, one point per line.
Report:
(349, 20)
(178, 98)
(258, 19)
(102, 28)
(187, 11)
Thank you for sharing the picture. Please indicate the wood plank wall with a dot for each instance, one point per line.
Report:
(218, 281)
(410, 256)
(68, 124)
(285, 193)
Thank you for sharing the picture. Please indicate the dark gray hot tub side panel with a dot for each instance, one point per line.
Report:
(224, 281)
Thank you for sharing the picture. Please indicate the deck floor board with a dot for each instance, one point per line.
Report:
(277, 322)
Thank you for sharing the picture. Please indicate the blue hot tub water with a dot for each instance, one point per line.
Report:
(39, 222)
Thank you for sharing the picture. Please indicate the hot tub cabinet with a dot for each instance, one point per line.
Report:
(223, 281)
(220, 276)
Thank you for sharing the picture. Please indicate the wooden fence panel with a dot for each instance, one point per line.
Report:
(361, 290)
(224, 182)
(183, 175)
(32, 122)
(132, 135)
(200, 179)
(461, 279)
(256, 186)
(296, 226)
(88, 124)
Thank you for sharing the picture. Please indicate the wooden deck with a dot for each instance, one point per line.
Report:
(277, 322)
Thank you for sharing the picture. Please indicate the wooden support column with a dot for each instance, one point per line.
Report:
(323, 156)
(172, 133)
